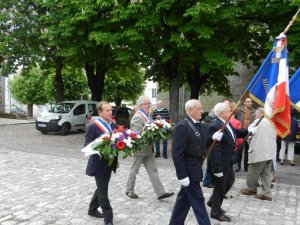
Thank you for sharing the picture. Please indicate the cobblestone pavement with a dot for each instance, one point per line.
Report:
(46, 186)
(41, 189)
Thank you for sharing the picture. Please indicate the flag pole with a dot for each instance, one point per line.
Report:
(291, 22)
(244, 94)
(231, 114)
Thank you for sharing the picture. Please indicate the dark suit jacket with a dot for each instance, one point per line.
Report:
(188, 150)
(221, 154)
(96, 166)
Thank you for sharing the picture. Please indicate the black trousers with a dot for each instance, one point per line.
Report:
(240, 156)
(221, 186)
(191, 195)
(100, 197)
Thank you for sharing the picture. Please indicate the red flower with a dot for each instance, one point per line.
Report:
(107, 138)
(133, 136)
(168, 121)
(120, 129)
(159, 124)
(120, 145)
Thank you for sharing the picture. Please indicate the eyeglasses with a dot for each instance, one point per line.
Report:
(147, 103)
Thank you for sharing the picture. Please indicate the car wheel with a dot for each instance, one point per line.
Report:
(44, 132)
(65, 129)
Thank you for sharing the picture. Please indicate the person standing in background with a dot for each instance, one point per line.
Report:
(161, 113)
(246, 116)
(288, 143)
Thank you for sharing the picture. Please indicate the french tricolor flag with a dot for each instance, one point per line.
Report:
(270, 87)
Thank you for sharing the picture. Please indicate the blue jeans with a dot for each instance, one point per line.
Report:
(165, 147)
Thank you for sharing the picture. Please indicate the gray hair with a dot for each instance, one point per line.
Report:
(190, 104)
(141, 99)
(219, 108)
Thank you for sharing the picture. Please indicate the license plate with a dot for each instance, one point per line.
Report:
(42, 125)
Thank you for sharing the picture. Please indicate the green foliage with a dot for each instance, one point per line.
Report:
(166, 37)
(28, 88)
(123, 83)
(74, 82)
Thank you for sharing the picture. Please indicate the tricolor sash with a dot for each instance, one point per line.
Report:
(103, 126)
(145, 115)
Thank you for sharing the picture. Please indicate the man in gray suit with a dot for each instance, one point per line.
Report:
(146, 157)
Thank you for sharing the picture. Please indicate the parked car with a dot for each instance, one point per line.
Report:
(65, 117)
(15, 110)
(121, 115)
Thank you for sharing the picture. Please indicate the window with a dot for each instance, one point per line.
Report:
(153, 92)
(92, 108)
(79, 110)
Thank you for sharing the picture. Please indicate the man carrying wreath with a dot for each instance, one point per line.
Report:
(99, 168)
(145, 156)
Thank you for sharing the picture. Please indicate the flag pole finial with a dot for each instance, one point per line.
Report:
(291, 22)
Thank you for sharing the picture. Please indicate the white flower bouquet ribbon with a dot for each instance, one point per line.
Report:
(88, 150)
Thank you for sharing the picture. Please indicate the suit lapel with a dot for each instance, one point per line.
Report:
(226, 130)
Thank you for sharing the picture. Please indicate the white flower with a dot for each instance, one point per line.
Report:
(115, 136)
(128, 142)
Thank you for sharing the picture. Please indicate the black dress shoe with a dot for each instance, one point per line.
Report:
(222, 218)
(108, 223)
(96, 214)
(156, 156)
(209, 204)
(165, 195)
(165, 156)
(132, 195)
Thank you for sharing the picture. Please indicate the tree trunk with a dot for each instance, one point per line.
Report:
(193, 78)
(196, 80)
(118, 101)
(171, 70)
(95, 81)
(30, 110)
(59, 85)
(174, 99)
(99, 81)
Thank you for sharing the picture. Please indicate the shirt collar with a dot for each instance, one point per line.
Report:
(195, 121)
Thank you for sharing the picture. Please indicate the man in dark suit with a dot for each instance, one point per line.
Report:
(99, 168)
(188, 148)
(221, 159)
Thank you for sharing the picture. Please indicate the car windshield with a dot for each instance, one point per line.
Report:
(62, 108)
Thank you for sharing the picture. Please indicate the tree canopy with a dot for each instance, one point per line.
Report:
(176, 42)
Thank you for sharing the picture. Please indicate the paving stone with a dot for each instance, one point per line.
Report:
(55, 190)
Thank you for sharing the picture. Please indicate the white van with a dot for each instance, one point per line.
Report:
(65, 117)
